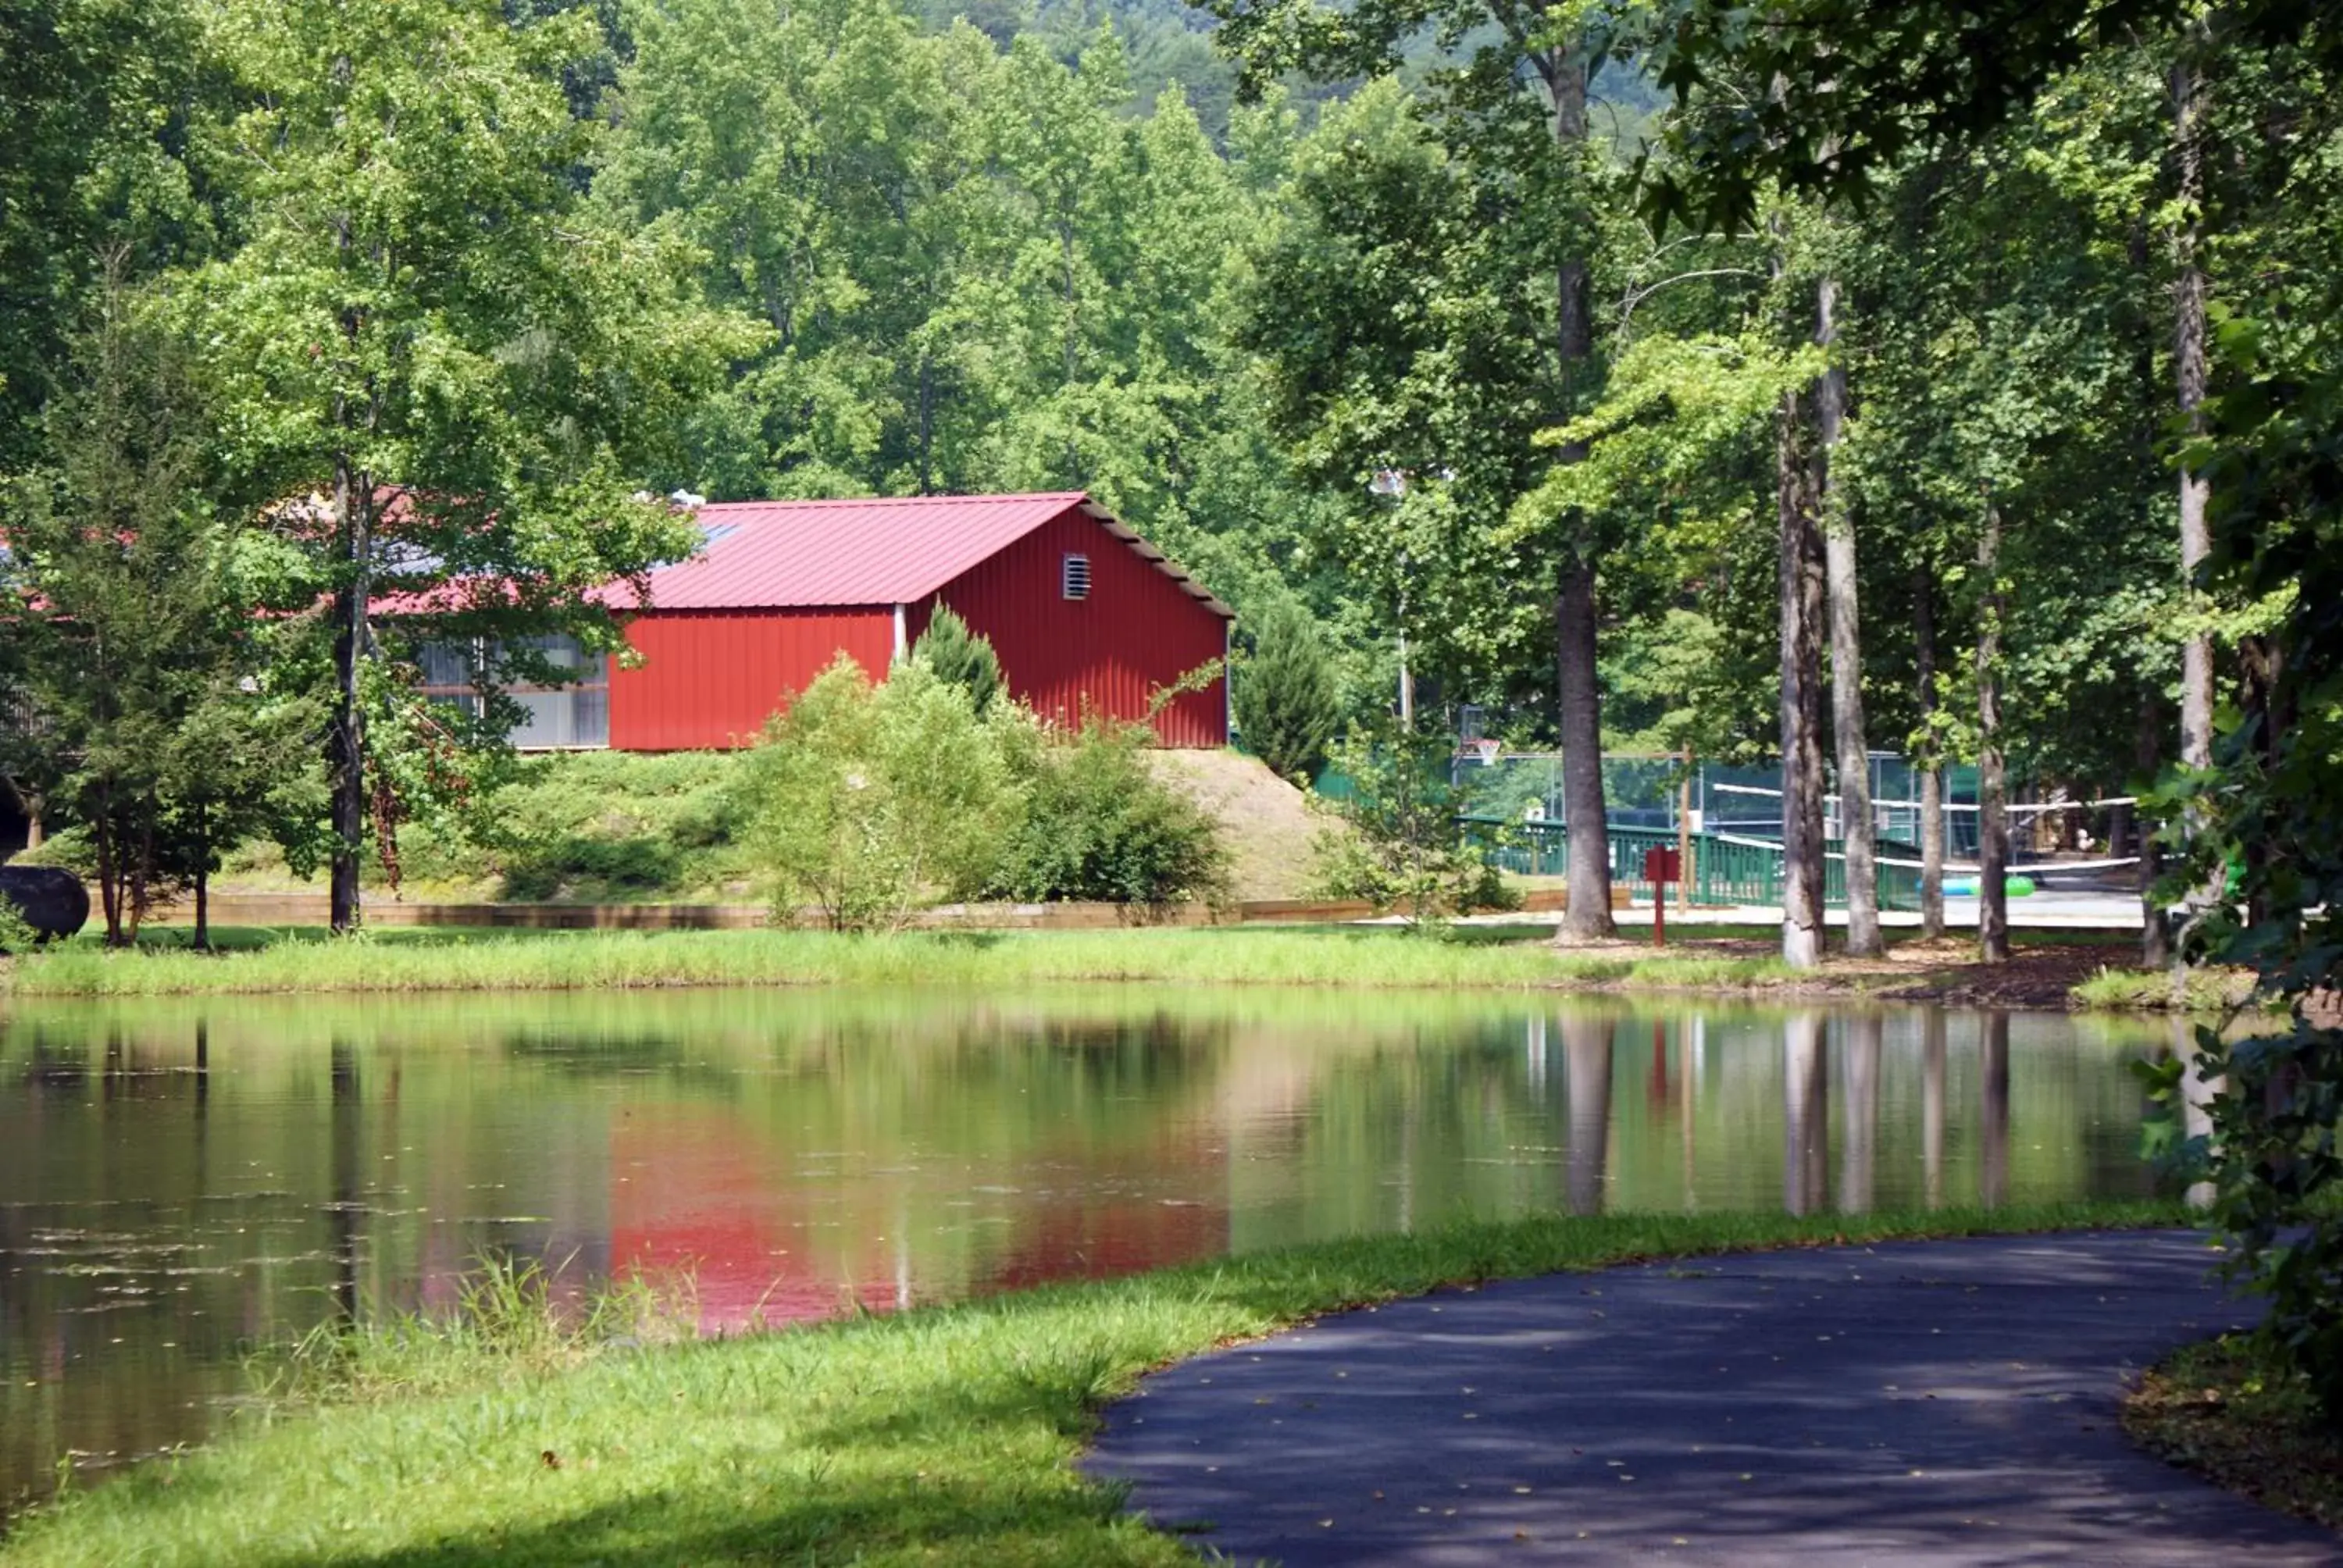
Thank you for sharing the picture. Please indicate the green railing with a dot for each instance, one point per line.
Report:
(1723, 871)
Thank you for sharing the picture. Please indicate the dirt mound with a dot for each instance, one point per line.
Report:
(1266, 820)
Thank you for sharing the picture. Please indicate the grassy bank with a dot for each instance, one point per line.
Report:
(2199, 990)
(2216, 1408)
(421, 960)
(943, 1435)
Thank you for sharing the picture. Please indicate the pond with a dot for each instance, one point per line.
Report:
(181, 1182)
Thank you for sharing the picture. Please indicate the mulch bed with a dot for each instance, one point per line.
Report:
(2212, 1410)
(2035, 977)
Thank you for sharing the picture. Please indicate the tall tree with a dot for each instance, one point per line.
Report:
(1487, 121)
(1842, 584)
(1798, 501)
(2191, 93)
(434, 350)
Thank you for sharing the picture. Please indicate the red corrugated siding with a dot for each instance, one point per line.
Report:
(1138, 631)
(711, 678)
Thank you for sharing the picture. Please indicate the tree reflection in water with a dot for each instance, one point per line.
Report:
(1586, 1045)
(1992, 1121)
(1859, 1142)
(1932, 1107)
(1806, 1113)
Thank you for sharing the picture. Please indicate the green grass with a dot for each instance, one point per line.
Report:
(942, 1435)
(395, 960)
(2200, 991)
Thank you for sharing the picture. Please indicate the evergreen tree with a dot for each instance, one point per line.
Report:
(1286, 705)
(153, 728)
(958, 657)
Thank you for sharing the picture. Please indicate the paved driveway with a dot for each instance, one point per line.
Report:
(1948, 1402)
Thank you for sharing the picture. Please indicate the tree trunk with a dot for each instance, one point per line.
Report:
(1585, 819)
(1932, 771)
(109, 888)
(1856, 833)
(139, 884)
(2155, 925)
(345, 734)
(203, 879)
(1802, 757)
(927, 424)
(1587, 833)
(2266, 719)
(2189, 102)
(1993, 780)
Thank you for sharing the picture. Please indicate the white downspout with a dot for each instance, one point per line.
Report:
(902, 639)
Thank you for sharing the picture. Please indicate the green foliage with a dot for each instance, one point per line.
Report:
(863, 800)
(1286, 700)
(958, 656)
(1098, 824)
(507, 1326)
(18, 940)
(158, 726)
(1399, 845)
(92, 177)
(592, 827)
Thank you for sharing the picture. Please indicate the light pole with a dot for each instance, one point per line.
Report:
(1391, 484)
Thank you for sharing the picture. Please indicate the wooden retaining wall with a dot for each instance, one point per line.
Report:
(274, 909)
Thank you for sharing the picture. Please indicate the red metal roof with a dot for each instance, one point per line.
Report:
(782, 555)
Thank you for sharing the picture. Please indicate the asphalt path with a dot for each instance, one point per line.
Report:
(1941, 1402)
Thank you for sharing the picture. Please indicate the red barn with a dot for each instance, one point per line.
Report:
(1085, 614)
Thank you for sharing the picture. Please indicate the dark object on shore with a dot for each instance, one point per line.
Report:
(50, 897)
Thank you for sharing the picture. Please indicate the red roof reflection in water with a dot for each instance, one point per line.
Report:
(696, 1194)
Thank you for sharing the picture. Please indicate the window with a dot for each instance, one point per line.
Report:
(574, 713)
(1077, 576)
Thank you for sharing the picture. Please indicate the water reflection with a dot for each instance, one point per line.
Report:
(1932, 1108)
(1993, 1116)
(1587, 1047)
(177, 1184)
(1859, 1148)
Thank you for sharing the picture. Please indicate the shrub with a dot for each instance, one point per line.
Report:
(593, 824)
(1284, 697)
(1098, 824)
(864, 799)
(958, 657)
(1399, 845)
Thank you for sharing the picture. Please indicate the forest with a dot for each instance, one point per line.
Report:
(1774, 382)
(1553, 348)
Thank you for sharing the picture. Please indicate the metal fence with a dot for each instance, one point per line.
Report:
(1644, 791)
(1725, 869)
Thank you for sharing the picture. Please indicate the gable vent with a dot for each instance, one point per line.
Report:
(1075, 580)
